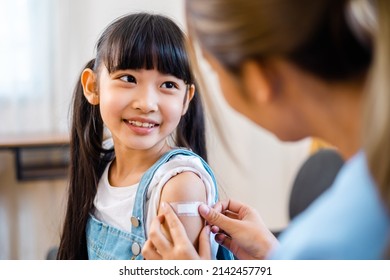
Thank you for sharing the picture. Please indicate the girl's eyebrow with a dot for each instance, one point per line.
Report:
(170, 76)
(124, 70)
(164, 75)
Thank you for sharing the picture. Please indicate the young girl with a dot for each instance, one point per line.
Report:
(141, 89)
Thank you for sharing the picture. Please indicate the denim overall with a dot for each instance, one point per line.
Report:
(105, 242)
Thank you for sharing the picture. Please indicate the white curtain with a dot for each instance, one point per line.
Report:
(25, 59)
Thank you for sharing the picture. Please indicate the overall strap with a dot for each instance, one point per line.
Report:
(138, 219)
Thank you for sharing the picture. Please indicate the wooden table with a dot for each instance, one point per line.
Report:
(38, 156)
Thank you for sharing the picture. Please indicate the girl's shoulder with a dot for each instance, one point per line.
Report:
(181, 163)
(185, 174)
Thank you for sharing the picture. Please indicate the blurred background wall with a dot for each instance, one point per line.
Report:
(44, 57)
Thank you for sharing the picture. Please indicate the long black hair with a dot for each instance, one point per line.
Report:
(135, 41)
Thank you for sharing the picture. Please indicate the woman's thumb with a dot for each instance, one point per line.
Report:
(215, 218)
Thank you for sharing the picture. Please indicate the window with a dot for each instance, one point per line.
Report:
(25, 55)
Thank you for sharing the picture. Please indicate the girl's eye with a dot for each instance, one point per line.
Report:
(169, 85)
(128, 79)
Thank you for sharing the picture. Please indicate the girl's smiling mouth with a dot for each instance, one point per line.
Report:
(142, 124)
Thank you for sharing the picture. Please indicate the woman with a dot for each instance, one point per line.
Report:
(299, 69)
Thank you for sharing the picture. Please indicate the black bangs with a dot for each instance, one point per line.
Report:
(144, 41)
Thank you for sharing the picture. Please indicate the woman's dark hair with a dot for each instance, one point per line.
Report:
(315, 35)
(136, 41)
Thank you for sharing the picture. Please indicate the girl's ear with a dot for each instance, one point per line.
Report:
(189, 96)
(257, 82)
(88, 81)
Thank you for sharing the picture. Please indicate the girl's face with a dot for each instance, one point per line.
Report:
(141, 108)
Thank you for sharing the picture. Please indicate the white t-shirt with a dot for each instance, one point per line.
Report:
(114, 205)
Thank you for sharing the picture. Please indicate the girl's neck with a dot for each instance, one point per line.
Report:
(129, 165)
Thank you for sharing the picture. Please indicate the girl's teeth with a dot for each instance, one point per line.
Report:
(141, 124)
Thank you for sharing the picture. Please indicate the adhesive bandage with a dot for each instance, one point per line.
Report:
(186, 208)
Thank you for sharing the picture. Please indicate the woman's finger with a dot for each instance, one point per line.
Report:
(231, 215)
(175, 227)
(149, 251)
(223, 240)
(215, 229)
(227, 208)
(217, 219)
(204, 243)
(157, 237)
(232, 206)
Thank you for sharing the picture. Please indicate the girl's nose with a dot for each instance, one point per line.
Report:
(146, 101)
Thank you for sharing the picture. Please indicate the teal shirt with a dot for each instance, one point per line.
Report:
(349, 221)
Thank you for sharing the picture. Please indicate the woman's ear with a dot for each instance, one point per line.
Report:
(257, 82)
(88, 81)
(188, 98)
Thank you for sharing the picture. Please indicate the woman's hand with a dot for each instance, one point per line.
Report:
(158, 247)
(239, 228)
